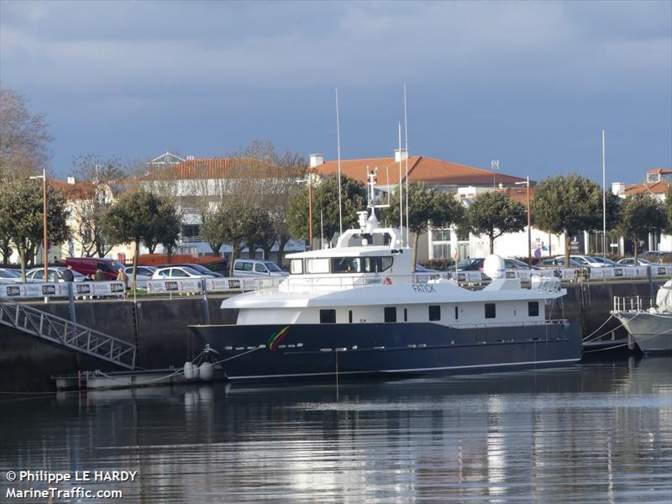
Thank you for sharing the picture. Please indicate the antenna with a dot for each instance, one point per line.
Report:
(494, 164)
(406, 135)
(338, 148)
(604, 202)
(401, 192)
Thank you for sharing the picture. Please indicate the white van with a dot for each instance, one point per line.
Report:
(257, 268)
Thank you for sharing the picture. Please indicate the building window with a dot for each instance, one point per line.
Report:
(490, 311)
(533, 308)
(434, 312)
(441, 244)
(390, 314)
(327, 316)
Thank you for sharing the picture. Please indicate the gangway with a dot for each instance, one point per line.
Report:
(67, 334)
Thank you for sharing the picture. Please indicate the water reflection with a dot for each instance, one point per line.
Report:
(594, 433)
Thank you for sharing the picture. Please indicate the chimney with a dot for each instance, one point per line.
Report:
(618, 188)
(316, 160)
(71, 180)
(400, 155)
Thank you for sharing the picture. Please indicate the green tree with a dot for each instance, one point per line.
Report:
(325, 206)
(23, 137)
(427, 207)
(567, 205)
(668, 209)
(142, 217)
(494, 213)
(22, 216)
(641, 214)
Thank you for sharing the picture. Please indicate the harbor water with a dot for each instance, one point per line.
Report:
(591, 433)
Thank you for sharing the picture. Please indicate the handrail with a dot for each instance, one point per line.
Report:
(65, 333)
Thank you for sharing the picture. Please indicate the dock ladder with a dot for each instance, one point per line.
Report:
(64, 333)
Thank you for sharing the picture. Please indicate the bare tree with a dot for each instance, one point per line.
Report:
(97, 184)
(23, 137)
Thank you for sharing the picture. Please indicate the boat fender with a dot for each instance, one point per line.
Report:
(190, 371)
(206, 371)
(388, 281)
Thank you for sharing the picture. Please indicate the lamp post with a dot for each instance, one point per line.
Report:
(494, 164)
(310, 213)
(529, 221)
(45, 257)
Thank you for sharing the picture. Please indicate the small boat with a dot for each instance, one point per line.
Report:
(650, 327)
(361, 310)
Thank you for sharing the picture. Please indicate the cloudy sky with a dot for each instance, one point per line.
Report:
(531, 84)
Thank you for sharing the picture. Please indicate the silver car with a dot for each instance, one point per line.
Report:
(54, 274)
(177, 272)
(143, 275)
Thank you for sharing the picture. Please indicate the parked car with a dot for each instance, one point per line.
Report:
(517, 264)
(54, 274)
(470, 264)
(606, 262)
(257, 268)
(476, 264)
(585, 261)
(431, 273)
(89, 265)
(199, 267)
(143, 275)
(631, 261)
(10, 275)
(558, 262)
(177, 272)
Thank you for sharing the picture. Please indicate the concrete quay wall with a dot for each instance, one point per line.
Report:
(159, 328)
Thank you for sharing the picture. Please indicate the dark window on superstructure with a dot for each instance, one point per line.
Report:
(327, 316)
(390, 314)
(533, 308)
(434, 312)
(456, 313)
(490, 311)
(350, 316)
(405, 314)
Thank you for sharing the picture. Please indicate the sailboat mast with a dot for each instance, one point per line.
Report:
(407, 154)
(338, 148)
(401, 193)
(604, 202)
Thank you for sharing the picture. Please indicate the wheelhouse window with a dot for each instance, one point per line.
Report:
(296, 266)
(434, 312)
(490, 311)
(533, 308)
(390, 314)
(319, 265)
(327, 316)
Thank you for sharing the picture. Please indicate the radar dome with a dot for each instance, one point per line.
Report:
(494, 267)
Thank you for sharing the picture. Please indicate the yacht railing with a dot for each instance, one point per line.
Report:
(632, 303)
(329, 283)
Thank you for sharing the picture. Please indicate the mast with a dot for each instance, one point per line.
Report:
(338, 148)
(407, 154)
(401, 193)
(604, 202)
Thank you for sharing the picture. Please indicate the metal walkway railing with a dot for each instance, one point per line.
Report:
(63, 332)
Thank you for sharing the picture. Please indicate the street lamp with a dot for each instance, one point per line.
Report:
(494, 164)
(529, 221)
(45, 258)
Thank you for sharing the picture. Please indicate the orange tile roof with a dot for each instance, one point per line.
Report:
(651, 188)
(519, 193)
(420, 169)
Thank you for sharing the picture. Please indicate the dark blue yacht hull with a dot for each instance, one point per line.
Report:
(313, 351)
